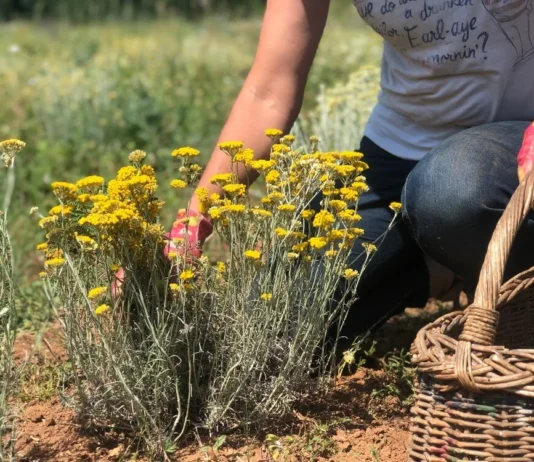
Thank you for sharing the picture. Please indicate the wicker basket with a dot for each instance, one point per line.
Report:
(475, 383)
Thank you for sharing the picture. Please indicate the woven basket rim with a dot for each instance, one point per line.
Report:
(494, 367)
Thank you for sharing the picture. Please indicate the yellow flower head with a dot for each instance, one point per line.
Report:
(54, 253)
(280, 232)
(272, 177)
(369, 248)
(396, 207)
(12, 146)
(54, 262)
(221, 267)
(83, 198)
(324, 219)
(64, 191)
(276, 196)
(331, 253)
(96, 293)
(355, 233)
(142, 184)
(43, 247)
(288, 208)
(317, 242)
(43, 275)
(350, 156)
(178, 184)
(307, 214)
(234, 189)
(252, 254)
(244, 156)
(360, 186)
(287, 140)
(214, 198)
(281, 148)
(86, 242)
(301, 247)
(261, 213)
(273, 133)
(234, 208)
(90, 184)
(266, 297)
(187, 275)
(98, 198)
(126, 173)
(203, 196)
(222, 178)
(349, 273)
(9, 149)
(349, 216)
(148, 170)
(61, 210)
(136, 156)
(101, 309)
(230, 147)
(262, 165)
(344, 170)
(174, 288)
(349, 194)
(337, 205)
(48, 222)
(185, 151)
(215, 212)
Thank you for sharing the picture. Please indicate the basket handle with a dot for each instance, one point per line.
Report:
(477, 329)
(481, 317)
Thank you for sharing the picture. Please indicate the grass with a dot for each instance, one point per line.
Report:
(83, 97)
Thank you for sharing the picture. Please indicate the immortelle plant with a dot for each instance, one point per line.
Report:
(183, 342)
(8, 151)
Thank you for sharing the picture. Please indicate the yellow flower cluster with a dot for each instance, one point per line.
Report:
(121, 216)
(292, 179)
(96, 293)
(64, 191)
(137, 156)
(9, 149)
(185, 152)
(90, 184)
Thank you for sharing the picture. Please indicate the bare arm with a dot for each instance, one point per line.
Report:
(272, 94)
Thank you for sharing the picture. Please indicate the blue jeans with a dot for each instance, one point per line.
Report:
(452, 200)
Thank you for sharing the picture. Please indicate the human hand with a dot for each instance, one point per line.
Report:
(188, 234)
(186, 238)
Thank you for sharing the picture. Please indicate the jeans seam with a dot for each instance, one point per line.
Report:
(405, 216)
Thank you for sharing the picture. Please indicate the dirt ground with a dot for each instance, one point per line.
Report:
(352, 423)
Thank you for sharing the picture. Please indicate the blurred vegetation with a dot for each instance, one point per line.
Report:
(84, 96)
(81, 11)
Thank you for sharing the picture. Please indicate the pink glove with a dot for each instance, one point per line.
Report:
(188, 234)
(525, 158)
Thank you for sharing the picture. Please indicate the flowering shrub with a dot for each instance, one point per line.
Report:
(342, 110)
(8, 151)
(186, 342)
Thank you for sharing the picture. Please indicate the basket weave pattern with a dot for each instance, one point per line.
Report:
(475, 385)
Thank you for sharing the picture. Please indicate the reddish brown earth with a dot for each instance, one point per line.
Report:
(350, 424)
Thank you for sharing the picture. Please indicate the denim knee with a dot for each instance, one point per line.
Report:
(454, 197)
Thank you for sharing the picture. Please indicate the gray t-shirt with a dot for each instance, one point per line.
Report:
(449, 65)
